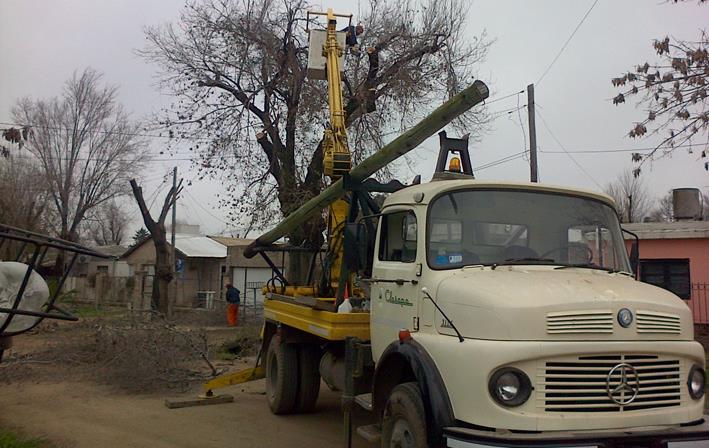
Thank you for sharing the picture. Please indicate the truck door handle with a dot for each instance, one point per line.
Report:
(398, 281)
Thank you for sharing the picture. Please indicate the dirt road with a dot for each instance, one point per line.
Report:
(89, 416)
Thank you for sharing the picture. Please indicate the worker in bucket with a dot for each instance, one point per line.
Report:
(233, 299)
(351, 37)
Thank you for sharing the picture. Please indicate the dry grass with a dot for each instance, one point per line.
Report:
(131, 353)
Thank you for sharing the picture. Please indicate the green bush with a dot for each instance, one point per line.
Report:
(9, 439)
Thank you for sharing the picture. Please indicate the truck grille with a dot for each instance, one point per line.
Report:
(653, 322)
(580, 384)
(580, 322)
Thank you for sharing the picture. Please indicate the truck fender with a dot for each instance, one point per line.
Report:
(409, 361)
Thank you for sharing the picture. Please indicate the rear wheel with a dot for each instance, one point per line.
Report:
(281, 376)
(404, 421)
(308, 378)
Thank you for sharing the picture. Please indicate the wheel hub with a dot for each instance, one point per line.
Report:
(401, 436)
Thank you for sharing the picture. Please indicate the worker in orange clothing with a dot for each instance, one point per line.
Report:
(233, 299)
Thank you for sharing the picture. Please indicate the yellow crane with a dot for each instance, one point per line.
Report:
(337, 159)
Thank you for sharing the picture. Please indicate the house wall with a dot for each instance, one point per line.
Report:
(114, 268)
(695, 249)
(199, 274)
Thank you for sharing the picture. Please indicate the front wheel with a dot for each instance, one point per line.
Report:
(404, 421)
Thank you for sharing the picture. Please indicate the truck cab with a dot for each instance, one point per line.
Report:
(514, 309)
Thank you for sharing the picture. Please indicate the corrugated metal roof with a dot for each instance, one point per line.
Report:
(668, 230)
(194, 246)
(231, 241)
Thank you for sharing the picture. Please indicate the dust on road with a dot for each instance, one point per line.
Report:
(88, 416)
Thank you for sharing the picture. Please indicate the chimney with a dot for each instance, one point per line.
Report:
(687, 204)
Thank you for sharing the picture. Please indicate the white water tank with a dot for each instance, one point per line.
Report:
(687, 204)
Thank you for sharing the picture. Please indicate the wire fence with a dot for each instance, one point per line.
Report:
(699, 303)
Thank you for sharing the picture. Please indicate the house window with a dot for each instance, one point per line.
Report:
(673, 275)
(102, 269)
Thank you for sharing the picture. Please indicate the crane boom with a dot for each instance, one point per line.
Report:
(336, 155)
(444, 114)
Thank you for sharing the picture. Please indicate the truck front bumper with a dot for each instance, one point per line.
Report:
(687, 436)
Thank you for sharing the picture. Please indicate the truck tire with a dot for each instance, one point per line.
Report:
(281, 376)
(308, 378)
(404, 420)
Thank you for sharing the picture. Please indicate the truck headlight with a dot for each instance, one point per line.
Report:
(696, 381)
(510, 386)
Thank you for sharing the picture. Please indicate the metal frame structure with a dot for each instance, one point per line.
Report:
(33, 250)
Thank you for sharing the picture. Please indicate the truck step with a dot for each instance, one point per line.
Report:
(370, 433)
(364, 401)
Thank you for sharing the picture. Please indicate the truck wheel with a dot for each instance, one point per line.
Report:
(404, 421)
(281, 376)
(308, 378)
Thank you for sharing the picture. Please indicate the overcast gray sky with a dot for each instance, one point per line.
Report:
(42, 43)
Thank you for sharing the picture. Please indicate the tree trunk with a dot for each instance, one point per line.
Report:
(163, 275)
(160, 298)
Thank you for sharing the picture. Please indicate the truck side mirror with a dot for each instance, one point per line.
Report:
(634, 255)
(355, 246)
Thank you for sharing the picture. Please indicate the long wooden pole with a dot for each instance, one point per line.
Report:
(444, 114)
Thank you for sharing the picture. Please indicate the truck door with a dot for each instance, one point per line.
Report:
(395, 281)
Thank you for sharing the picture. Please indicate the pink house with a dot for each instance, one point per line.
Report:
(675, 256)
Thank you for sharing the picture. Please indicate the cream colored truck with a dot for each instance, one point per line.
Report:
(548, 339)
(500, 314)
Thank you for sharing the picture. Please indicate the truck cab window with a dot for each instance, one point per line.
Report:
(398, 237)
(590, 244)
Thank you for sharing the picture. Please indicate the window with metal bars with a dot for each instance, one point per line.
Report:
(670, 274)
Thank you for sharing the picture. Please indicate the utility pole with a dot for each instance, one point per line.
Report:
(533, 169)
(172, 237)
(174, 217)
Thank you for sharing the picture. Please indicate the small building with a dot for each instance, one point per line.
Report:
(111, 267)
(675, 256)
(249, 275)
(199, 266)
(101, 281)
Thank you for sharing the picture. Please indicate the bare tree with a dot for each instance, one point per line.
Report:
(107, 224)
(86, 146)
(632, 198)
(164, 271)
(674, 92)
(23, 193)
(664, 212)
(238, 70)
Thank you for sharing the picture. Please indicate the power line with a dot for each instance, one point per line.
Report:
(205, 210)
(501, 161)
(503, 97)
(566, 43)
(98, 131)
(546, 126)
(605, 151)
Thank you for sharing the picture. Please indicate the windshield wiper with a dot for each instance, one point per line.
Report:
(592, 266)
(524, 260)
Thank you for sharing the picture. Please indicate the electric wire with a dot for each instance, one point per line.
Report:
(563, 47)
(194, 200)
(580, 167)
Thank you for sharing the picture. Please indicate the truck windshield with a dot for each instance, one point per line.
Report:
(494, 227)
